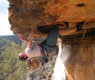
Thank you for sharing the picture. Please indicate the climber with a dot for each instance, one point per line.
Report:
(48, 45)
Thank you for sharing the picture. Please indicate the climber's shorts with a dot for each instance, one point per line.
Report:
(50, 44)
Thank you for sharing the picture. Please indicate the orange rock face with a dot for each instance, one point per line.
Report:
(81, 63)
(26, 14)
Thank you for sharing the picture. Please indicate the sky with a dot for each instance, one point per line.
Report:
(4, 23)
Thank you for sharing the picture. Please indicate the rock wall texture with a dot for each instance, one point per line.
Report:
(81, 63)
(27, 14)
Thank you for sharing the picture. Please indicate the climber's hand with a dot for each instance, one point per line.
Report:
(59, 41)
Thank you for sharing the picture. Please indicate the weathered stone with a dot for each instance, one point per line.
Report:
(27, 14)
(80, 65)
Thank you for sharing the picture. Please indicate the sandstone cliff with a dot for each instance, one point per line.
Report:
(42, 15)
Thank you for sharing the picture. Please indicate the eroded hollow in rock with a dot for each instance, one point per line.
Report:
(45, 29)
(80, 5)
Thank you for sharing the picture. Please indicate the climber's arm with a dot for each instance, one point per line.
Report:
(20, 37)
(30, 39)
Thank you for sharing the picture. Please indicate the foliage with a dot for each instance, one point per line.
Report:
(4, 44)
(11, 68)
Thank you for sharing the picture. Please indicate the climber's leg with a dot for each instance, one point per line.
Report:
(51, 42)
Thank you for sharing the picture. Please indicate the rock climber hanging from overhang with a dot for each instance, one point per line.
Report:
(43, 49)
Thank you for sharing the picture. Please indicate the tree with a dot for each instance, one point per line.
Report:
(11, 68)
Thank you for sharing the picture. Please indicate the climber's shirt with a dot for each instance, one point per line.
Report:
(34, 52)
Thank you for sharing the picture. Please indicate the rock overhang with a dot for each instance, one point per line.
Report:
(43, 15)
